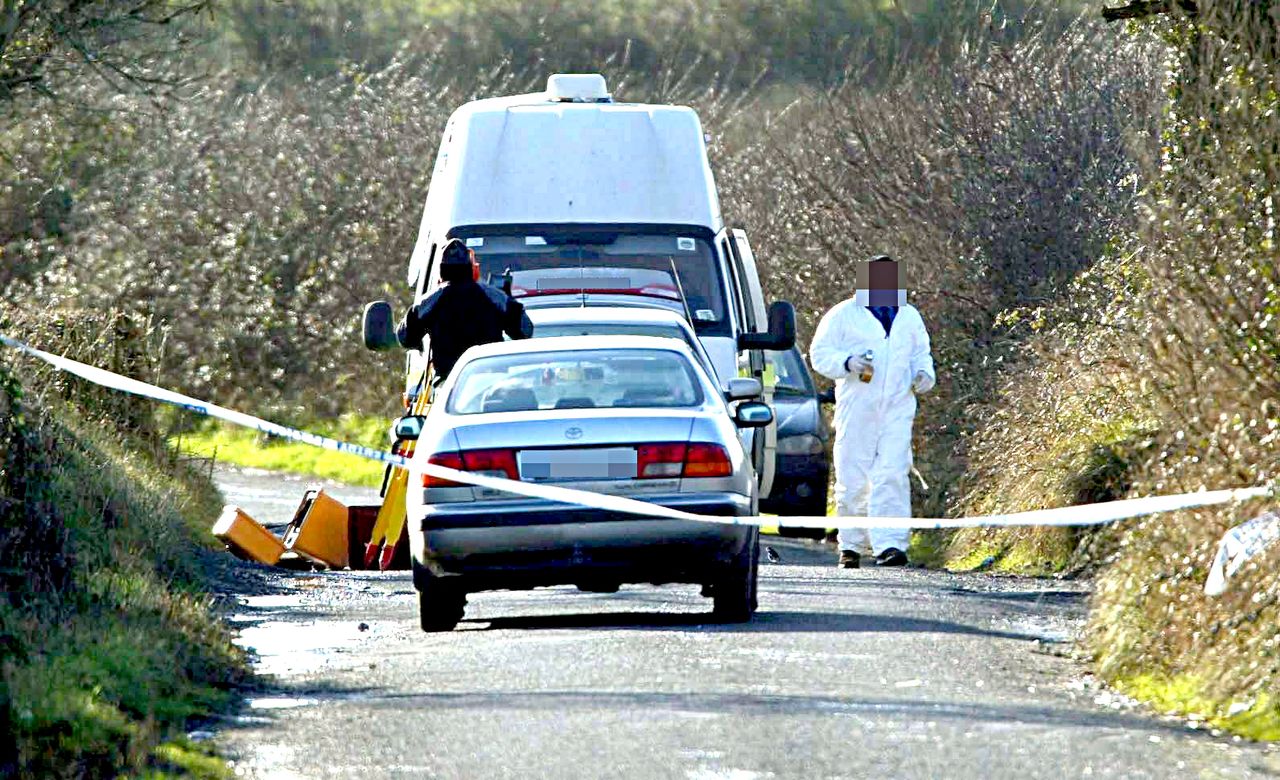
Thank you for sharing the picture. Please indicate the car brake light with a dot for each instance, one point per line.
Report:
(493, 463)
(450, 460)
(654, 461)
(707, 460)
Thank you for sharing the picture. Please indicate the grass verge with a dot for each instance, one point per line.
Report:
(244, 447)
(109, 645)
(1084, 454)
(1187, 696)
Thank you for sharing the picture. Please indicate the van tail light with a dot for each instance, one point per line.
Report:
(707, 460)
(655, 461)
(491, 463)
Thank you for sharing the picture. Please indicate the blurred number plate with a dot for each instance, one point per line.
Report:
(616, 463)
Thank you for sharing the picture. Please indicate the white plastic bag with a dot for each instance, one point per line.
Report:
(1239, 545)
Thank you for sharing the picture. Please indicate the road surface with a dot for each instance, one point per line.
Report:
(842, 674)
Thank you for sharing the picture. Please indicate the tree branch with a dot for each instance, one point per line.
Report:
(1139, 9)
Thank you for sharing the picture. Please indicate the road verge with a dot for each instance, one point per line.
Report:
(110, 646)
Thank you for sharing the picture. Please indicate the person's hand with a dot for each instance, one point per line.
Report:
(923, 383)
(854, 364)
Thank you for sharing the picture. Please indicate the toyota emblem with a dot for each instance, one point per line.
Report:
(573, 433)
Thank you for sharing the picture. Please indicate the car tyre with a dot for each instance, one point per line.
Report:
(734, 593)
(440, 604)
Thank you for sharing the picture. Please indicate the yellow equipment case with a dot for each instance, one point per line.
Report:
(319, 530)
(246, 538)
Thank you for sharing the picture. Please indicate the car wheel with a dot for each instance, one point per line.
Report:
(440, 604)
(734, 593)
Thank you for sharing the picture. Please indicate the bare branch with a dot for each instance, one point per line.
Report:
(1139, 9)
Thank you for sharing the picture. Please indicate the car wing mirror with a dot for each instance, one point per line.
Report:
(782, 330)
(408, 428)
(379, 332)
(742, 387)
(827, 396)
(753, 415)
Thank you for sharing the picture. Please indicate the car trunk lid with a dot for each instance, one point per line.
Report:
(610, 451)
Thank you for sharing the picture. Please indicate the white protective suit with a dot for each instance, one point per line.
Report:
(873, 419)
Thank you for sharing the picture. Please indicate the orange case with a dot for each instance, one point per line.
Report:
(246, 538)
(319, 530)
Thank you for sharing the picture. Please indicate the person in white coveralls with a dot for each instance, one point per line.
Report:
(876, 348)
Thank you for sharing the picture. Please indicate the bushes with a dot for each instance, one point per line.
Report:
(995, 178)
(1210, 360)
(1156, 373)
(276, 213)
(794, 42)
(273, 218)
(107, 642)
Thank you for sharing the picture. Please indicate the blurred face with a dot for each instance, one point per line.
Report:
(880, 283)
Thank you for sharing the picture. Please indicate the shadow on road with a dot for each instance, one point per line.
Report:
(558, 702)
(764, 622)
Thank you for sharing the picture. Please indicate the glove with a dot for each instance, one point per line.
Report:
(854, 364)
(923, 383)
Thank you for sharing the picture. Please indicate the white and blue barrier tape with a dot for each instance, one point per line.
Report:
(1081, 515)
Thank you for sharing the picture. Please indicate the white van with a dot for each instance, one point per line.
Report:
(589, 202)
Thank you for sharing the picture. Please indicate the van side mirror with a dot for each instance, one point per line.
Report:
(379, 332)
(782, 330)
(408, 428)
(742, 387)
(827, 396)
(752, 415)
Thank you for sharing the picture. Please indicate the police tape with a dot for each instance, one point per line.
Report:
(1081, 515)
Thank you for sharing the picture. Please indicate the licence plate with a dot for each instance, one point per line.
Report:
(611, 463)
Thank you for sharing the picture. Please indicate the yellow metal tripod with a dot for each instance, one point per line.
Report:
(389, 528)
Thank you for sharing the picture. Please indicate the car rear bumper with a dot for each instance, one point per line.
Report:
(526, 544)
(799, 484)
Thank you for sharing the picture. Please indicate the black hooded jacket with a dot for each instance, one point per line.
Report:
(459, 316)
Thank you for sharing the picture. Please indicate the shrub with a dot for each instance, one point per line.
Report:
(107, 642)
(995, 178)
(1210, 360)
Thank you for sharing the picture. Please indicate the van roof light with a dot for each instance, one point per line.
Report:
(577, 88)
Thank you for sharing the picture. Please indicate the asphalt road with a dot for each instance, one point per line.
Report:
(868, 673)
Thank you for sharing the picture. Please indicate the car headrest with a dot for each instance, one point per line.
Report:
(511, 399)
(646, 393)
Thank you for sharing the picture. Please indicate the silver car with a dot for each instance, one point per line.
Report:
(634, 416)
(615, 321)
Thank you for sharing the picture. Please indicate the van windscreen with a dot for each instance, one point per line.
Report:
(620, 264)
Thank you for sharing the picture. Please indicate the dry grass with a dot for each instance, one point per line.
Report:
(108, 644)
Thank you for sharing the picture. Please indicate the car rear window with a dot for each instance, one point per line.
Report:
(579, 379)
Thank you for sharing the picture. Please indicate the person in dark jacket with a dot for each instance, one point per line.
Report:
(462, 314)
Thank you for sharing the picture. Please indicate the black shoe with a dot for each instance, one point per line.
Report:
(849, 560)
(891, 557)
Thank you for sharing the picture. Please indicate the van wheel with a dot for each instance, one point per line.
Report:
(440, 604)
(734, 593)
